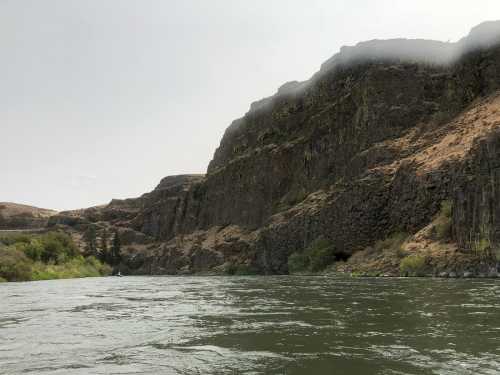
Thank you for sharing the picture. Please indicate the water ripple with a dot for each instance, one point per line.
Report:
(252, 325)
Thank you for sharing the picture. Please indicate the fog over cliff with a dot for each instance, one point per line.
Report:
(396, 50)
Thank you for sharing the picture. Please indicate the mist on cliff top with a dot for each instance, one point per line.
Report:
(435, 52)
(101, 100)
(429, 52)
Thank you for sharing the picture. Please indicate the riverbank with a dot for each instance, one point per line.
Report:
(53, 255)
(448, 264)
(423, 255)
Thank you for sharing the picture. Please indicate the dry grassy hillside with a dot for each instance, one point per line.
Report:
(20, 216)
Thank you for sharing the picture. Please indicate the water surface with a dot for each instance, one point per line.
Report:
(250, 325)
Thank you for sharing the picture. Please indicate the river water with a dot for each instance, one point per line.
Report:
(250, 325)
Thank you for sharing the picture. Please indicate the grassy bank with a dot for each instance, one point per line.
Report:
(53, 255)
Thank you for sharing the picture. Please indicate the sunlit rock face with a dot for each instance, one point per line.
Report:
(370, 145)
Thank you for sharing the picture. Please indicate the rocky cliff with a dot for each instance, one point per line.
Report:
(376, 143)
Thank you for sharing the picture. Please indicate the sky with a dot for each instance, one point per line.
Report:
(100, 99)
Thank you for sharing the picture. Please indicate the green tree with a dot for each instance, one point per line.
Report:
(53, 250)
(104, 255)
(298, 262)
(319, 255)
(34, 250)
(116, 249)
(90, 238)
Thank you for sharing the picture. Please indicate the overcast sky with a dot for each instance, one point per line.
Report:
(100, 99)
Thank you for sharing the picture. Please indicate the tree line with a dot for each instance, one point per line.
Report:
(99, 246)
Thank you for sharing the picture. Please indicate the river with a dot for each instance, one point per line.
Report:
(250, 325)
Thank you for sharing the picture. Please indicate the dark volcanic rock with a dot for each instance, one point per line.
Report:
(477, 208)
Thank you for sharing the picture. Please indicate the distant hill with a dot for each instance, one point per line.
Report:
(21, 216)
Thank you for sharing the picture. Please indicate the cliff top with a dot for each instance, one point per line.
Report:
(423, 51)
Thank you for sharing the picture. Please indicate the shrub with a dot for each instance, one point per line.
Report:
(11, 239)
(34, 250)
(239, 269)
(2, 280)
(243, 269)
(298, 262)
(57, 247)
(316, 257)
(321, 255)
(495, 253)
(14, 264)
(41, 257)
(296, 197)
(442, 222)
(52, 250)
(53, 246)
(392, 243)
(75, 268)
(413, 265)
(482, 246)
(103, 268)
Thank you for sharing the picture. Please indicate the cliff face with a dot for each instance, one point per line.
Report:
(371, 145)
(476, 197)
